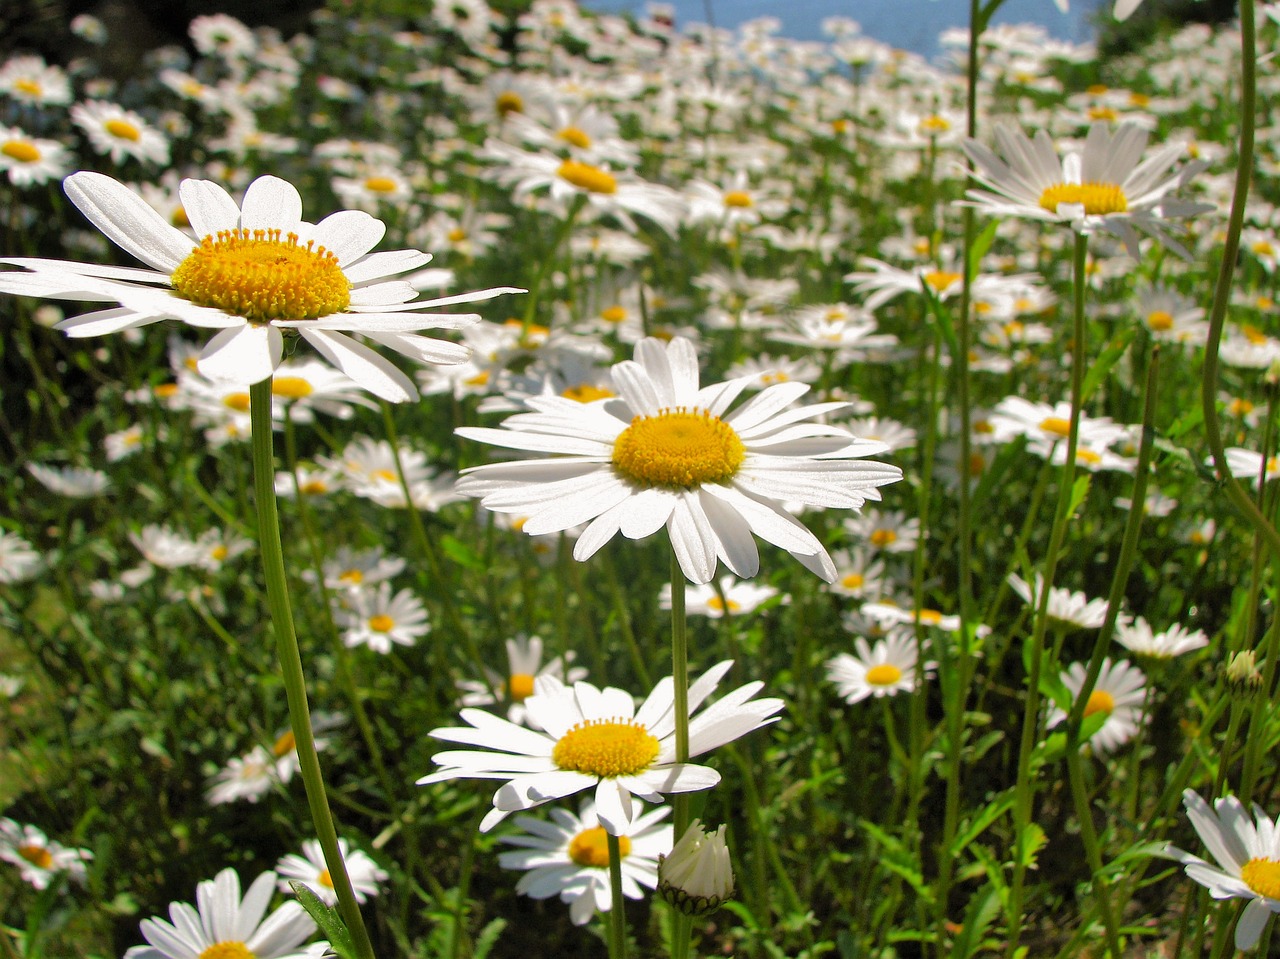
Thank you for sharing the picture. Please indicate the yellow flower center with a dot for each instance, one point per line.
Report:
(1055, 425)
(380, 184)
(930, 617)
(219, 553)
(585, 393)
(23, 151)
(678, 449)
(853, 581)
(591, 847)
(1240, 407)
(179, 218)
(38, 856)
(520, 686)
(1264, 303)
(30, 87)
(606, 748)
(839, 126)
(1263, 248)
(613, 314)
(457, 235)
(352, 577)
(933, 125)
(509, 102)
(291, 387)
(1098, 199)
(1088, 457)
(1160, 320)
(883, 537)
(1103, 113)
(587, 177)
(263, 276)
(738, 198)
(227, 950)
(1262, 876)
(575, 136)
(715, 603)
(123, 130)
(885, 674)
(1253, 334)
(1100, 701)
(315, 487)
(1096, 89)
(236, 401)
(284, 745)
(381, 623)
(1139, 99)
(325, 879)
(940, 279)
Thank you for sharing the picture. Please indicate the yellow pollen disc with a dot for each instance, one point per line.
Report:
(715, 603)
(166, 390)
(678, 449)
(352, 577)
(1264, 303)
(1262, 876)
(613, 314)
(585, 393)
(738, 198)
(123, 130)
(883, 537)
(1253, 334)
(38, 856)
(325, 879)
(315, 487)
(457, 235)
(1098, 199)
(1139, 99)
(1056, 425)
(1088, 456)
(1014, 329)
(1263, 248)
(935, 124)
(519, 686)
(930, 617)
(575, 137)
(509, 102)
(591, 847)
(839, 126)
(29, 87)
(21, 150)
(1096, 89)
(218, 553)
(380, 184)
(1239, 407)
(1102, 113)
(941, 279)
(227, 950)
(1100, 701)
(587, 177)
(179, 218)
(983, 428)
(606, 748)
(284, 745)
(1160, 320)
(262, 275)
(480, 379)
(236, 401)
(291, 387)
(192, 88)
(381, 623)
(385, 475)
(853, 581)
(886, 674)
(518, 524)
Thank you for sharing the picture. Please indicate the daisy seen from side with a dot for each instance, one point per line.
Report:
(39, 859)
(524, 666)
(310, 870)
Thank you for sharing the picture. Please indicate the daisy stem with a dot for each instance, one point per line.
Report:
(682, 925)
(617, 914)
(291, 661)
(1023, 791)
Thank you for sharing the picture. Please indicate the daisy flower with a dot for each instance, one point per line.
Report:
(1047, 424)
(248, 777)
(590, 738)
(350, 569)
(120, 133)
(38, 858)
(259, 274)
(1107, 186)
(1118, 693)
(18, 561)
(378, 619)
(568, 857)
(70, 481)
(1248, 860)
(1249, 465)
(29, 80)
(886, 669)
(224, 924)
(524, 666)
(666, 453)
(284, 751)
(310, 870)
(28, 160)
(1065, 607)
(886, 531)
(858, 574)
(698, 875)
(705, 600)
(1138, 637)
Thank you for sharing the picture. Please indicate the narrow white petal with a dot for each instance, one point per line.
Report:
(271, 203)
(349, 235)
(388, 263)
(693, 540)
(375, 373)
(127, 220)
(647, 512)
(244, 354)
(208, 207)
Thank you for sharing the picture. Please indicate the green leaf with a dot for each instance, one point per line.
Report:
(461, 553)
(981, 244)
(327, 918)
(1107, 359)
(488, 938)
(1079, 491)
(985, 817)
(983, 907)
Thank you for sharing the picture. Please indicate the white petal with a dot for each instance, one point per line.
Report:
(647, 512)
(244, 354)
(127, 220)
(693, 540)
(208, 207)
(271, 203)
(388, 263)
(375, 373)
(349, 235)
(1252, 921)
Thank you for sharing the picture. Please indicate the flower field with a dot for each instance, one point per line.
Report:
(558, 484)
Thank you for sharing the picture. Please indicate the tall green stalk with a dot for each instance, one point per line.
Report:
(682, 926)
(291, 662)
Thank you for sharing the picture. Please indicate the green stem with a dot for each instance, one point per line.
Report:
(683, 927)
(617, 914)
(291, 662)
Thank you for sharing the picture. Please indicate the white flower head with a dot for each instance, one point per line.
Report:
(310, 870)
(698, 875)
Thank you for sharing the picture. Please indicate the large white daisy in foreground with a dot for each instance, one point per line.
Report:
(589, 738)
(666, 453)
(259, 273)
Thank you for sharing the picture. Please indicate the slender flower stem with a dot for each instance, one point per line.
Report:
(617, 914)
(291, 662)
(683, 927)
(1023, 791)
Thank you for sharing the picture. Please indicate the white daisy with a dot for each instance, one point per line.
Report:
(1065, 607)
(1138, 637)
(1118, 693)
(18, 561)
(377, 619)
(39, 858)
(260, 273)
(705, 600)
(225, 925)
(886, 669)
(70, 481)
(310, 870)
(589, 738)
(247, 777)
(120, 133)
(29, 160)
(665, 452)
(524, 666)
(1248, 856)
(569, 857)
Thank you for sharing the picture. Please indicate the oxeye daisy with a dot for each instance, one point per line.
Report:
(310, 870)
(377, 619)
(259, 274)
(666, 453)
(1139, 638)
(39, 858)
(1248, 860)
(72, 481)
(18, 561)
(1118, 694)
(885, 669)
(590, 738)
(524, 666)
(248, 777)
(28, 160)
(1068, 609)
(120, 133)
(1107, 186)
(731, 599)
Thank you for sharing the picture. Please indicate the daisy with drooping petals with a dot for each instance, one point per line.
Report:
(310, 870)
(1139, 638)
(18, 561)
(731, 599)
(589, 738)
(72, 481)
(226, 926)
(1107, 186)
(1119, 694)
(886, 669)
(569, 857)
(1066, 608)
(1248, 856)
(260, 273)
(666, 453)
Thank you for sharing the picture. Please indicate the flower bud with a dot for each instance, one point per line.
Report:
(1242, 674)
(697, 877)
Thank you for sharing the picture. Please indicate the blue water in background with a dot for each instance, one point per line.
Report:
(908, 24)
